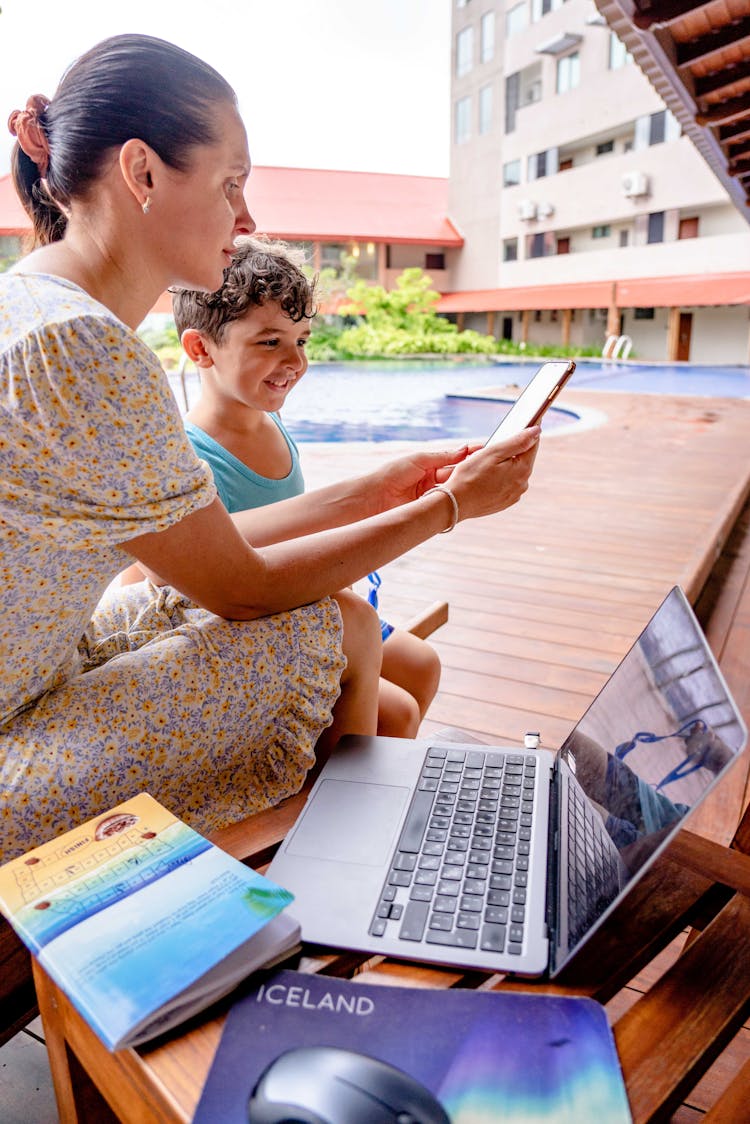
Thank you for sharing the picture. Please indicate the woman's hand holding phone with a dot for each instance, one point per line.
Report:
(534, 400)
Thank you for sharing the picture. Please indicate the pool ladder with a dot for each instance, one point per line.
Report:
(617, 347)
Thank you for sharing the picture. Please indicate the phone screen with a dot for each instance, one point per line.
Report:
(534, 399)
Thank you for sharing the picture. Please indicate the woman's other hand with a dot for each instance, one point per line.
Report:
(496, 476)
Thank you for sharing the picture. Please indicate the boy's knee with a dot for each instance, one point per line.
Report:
(398, 712)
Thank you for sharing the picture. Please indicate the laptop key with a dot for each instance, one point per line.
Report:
(440, 921)
(458, 938)
(492, 938)
(415, 919)
(399, 878)
(414, 827)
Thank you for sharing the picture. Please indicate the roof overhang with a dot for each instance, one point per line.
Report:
(699, 290)
(696, 54)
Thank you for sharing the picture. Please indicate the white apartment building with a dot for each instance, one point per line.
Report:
(585, 210)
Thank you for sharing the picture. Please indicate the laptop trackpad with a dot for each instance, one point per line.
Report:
(348, 821)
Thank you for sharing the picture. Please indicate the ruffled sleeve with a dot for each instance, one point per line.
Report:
(93, 450)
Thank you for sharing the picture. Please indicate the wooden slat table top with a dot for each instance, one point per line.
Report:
(544, 601)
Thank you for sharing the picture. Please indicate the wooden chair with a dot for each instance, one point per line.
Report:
(18, 1004)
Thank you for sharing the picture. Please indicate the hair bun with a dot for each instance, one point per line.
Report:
(26, 126)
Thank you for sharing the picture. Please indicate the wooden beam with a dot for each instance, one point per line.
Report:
(730, 134)
(566, 319)
(648, 12)
(733, 110)
(673, 335)
(738, 167)
(613, 314)
(722, 79)
(706, 46)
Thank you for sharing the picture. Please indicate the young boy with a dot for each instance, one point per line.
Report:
(248, 342)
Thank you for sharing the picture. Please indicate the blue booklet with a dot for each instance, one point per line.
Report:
(141, 921)
(484, 1056)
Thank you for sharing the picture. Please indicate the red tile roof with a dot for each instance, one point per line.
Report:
(310, 204)
(13, 218)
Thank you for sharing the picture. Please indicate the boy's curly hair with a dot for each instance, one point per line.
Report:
(261, 271)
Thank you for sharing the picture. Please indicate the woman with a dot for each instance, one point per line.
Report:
(133, 175)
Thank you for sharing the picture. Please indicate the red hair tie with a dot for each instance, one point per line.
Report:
(25, 124)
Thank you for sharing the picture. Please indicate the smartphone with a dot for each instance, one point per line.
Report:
(534, 399)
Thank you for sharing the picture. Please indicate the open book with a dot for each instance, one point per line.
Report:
(142, 921)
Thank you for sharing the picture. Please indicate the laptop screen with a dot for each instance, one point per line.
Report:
(657, 736)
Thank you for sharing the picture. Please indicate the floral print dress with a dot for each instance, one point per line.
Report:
(102, 697)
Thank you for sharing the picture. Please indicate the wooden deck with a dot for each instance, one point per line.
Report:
(545, 599)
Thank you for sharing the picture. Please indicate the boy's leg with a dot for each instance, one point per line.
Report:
(398, 712)
(356, 711)
(413, 665)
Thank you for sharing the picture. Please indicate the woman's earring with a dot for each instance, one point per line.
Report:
(146, 205)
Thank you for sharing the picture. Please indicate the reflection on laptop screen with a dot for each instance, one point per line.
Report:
(657, 736)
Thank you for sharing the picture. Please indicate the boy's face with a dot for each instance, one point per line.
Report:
(261, 357)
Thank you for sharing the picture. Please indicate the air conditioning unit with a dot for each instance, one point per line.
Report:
(545, 210)
(527, 209)
(635, 183)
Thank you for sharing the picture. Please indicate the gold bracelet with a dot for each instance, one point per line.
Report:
(447, 492)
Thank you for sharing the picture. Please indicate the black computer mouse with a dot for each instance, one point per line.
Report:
(326, 1085)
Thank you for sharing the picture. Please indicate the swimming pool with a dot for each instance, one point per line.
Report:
(413, 401)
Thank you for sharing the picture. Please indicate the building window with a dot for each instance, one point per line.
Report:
(434, 261)
(643, 314)
(332, 255)
(563, 245)
(540, 8)
(568, 73)
(656, 227)
(688, 228)
(618, 52)
(605, 147)
(624, 238)
(535, 245)
(603, 231)
(512, 96)
(542, 164)
(462, 123)
(516, 19)
(566, 165)
(511, 173)
(485, 110)
(510, 249)
(656, 128)
(464, 51)
(487, 37)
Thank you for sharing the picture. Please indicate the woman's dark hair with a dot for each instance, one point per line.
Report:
(261, 271)
(125, 87)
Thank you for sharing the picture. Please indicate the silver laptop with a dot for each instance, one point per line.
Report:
(507, 858)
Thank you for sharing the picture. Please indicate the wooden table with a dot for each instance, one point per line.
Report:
(666, 1038)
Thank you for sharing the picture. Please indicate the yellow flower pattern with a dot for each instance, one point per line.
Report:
(105, 696)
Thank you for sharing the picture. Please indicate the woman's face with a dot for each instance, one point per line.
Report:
(199, 213)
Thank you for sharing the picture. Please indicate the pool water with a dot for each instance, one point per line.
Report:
(371, 401)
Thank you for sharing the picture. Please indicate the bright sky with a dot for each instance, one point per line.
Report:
(359, 85)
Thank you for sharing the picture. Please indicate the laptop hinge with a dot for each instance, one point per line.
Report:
(553, 851)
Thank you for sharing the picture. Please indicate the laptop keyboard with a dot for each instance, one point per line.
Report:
(459, 874)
